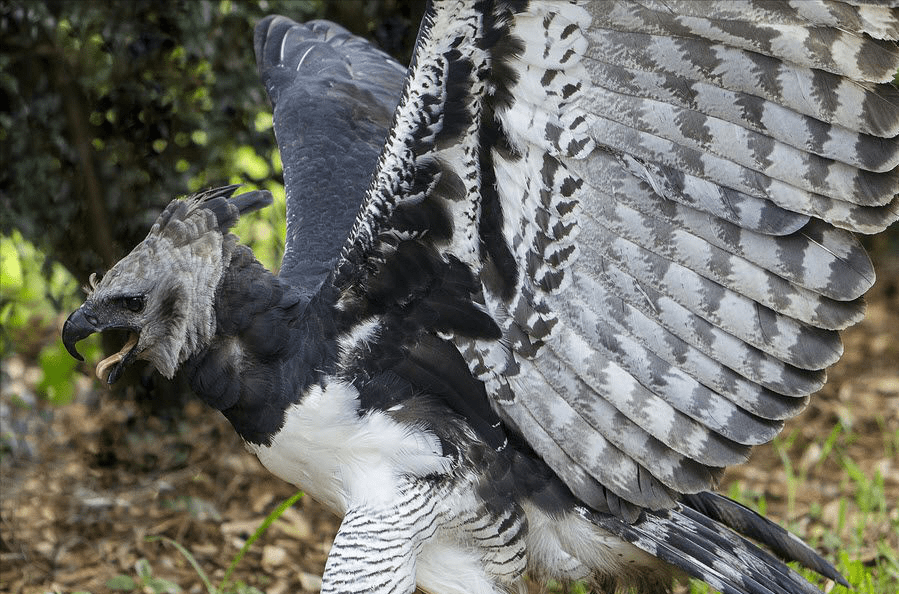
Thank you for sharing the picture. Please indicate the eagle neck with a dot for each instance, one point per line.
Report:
(271, 343)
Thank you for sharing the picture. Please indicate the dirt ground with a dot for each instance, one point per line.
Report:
(85, 485)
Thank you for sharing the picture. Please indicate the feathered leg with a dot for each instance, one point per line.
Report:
(379, 541)
(374, 551)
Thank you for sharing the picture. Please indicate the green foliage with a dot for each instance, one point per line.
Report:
(264, 230)
(58, 368)
(32, 292)
(111, 109)
(145, 581)
(31, 288)
(126, 105)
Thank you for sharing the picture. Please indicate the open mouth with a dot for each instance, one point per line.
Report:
(111, 368)
(82, 324)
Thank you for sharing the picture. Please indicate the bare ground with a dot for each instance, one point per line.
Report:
(85, 485)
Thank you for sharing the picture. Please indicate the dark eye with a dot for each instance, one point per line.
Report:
(135, 304)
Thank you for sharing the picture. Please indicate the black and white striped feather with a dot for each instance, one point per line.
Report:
(632, 222)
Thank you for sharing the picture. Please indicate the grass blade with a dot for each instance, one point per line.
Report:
(276, 513)
(190, 559)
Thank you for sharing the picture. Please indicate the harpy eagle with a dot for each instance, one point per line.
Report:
(539, 289)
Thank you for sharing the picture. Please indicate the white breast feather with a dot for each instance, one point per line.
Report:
(341, 458)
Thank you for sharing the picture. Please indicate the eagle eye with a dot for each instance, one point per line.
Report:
(134, 303)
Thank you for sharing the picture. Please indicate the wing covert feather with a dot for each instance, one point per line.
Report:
(647, 212)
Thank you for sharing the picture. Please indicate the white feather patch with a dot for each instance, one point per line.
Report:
(341, 458)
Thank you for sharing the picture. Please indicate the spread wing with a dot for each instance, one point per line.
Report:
(633, 222)
(333, 96)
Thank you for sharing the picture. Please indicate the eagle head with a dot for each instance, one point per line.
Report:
(163, 292)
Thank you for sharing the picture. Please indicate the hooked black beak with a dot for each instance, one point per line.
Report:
(79, 326)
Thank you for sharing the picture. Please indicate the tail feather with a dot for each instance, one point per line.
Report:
(748, 523)
(707, 539)
(671, 545)
(757, 561)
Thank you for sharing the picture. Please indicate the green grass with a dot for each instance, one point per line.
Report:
(850, 538)
(146, 581)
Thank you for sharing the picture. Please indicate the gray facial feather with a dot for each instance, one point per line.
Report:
(177, 267)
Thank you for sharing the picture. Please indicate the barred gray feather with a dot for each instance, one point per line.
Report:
(677, 194)
(761, 305)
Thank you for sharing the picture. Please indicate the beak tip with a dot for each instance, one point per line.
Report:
(75, 329)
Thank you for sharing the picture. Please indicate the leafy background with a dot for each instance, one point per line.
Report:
(110, 109)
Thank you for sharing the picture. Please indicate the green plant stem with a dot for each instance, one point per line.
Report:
(276, 513)
(190, 559)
